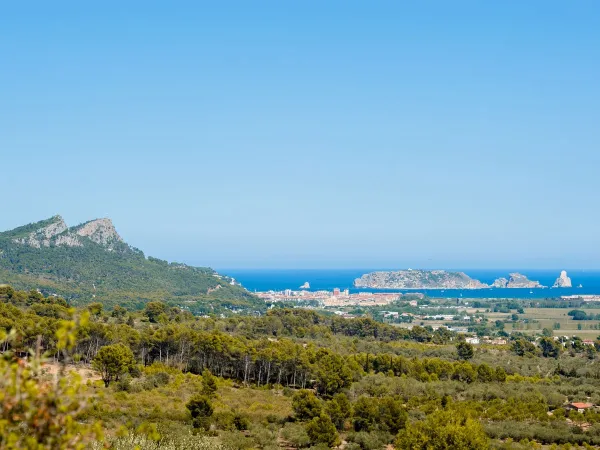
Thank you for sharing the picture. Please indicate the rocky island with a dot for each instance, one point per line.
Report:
(516, 280)
(418, 279)
(563, 281)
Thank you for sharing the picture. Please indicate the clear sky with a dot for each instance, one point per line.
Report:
(309, 133)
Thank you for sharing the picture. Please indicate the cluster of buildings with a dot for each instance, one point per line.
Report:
(585, 298)
(335, 298)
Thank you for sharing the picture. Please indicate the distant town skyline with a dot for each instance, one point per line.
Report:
(310, 135)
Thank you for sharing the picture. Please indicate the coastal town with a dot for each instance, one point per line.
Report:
(337, 297)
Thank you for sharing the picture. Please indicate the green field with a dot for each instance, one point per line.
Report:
(547, 318)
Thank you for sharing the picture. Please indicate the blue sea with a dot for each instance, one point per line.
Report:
(328, 279)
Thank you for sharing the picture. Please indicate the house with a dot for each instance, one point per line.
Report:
(472, 340)
(588, 342)
(579, 406)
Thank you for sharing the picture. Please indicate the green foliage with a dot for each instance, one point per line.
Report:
(38, 414)
(523, 347)
(368, 441)
(332, 373)
(354, 373)
(306, 405)
(549, 347)
(201, 410)
(296, 435)
(112, 361)
(464, 350)
(116, 273)
(383, 414)
(209, 383)
(443, 430)
(339, 410)
(322, 430)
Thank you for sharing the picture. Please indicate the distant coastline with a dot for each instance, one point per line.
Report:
(264, 280)
(442, 279)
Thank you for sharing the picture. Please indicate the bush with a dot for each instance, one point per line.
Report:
(369, 441)
(201, 410)
(241, 421)
(306, 405)
(156, 380)
(295, 434)
(124, 384)
(321, 430)
(443, 430)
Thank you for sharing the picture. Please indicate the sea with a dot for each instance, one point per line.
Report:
(260, 280)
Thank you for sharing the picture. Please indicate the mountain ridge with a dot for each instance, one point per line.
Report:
(91, 262)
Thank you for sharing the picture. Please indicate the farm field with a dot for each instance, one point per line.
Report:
(533, 321)
(540, 318)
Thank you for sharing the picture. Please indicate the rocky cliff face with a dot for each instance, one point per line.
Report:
(101, 231)
(55, 232)
(500, 283)
(42, 237)
(563, 281)
(516, 280)
(418, 279)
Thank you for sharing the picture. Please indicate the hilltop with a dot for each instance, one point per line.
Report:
(91, 262)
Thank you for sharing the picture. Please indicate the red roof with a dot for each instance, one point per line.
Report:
(582, 405)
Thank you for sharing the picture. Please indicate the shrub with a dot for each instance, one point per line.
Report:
(321, 430)
(306, 405)
(295, 434)
(201, 410)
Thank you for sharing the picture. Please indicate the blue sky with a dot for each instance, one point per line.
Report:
(309, 134)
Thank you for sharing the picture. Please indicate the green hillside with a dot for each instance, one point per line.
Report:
(90, 262)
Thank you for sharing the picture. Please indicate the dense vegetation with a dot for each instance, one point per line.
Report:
(162, 378)
(117, 275)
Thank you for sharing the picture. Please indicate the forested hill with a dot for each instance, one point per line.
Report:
(91, 262)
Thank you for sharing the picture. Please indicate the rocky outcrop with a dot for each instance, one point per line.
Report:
(516, 280)
(500, 283)
(42, 237)
(54, 232)
(100, 231)
(306, 285)
(563, 281)
(68, 240)
(418, 279)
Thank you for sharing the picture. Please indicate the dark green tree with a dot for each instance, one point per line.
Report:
(306, 405)
(550, 348)
(154, 310)
(112, 361)
(339, 409)
(465, 350)
(209, 383)
(201, 410)
(485, 373)
(321, 430)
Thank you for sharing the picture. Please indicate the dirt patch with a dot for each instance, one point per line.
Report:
(85, 372)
